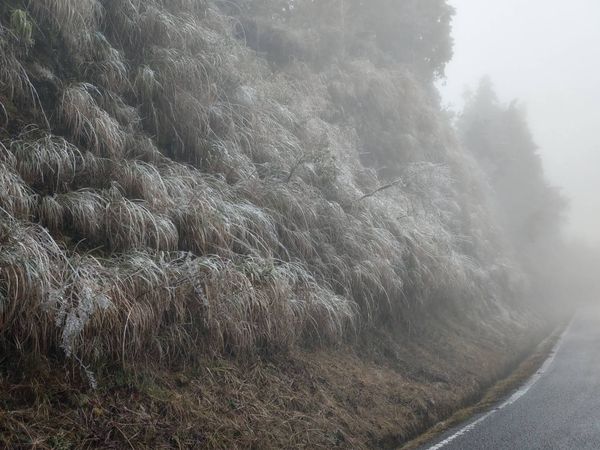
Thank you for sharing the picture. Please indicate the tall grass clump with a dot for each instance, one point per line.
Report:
(46, 161)
(14, 80)
(88, 123)
(74, 20)
(189, 194)
(29, 285)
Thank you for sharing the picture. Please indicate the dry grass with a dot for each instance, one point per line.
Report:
(14, 80)
(186, 205)
(340, 398)
(201, 202)
(16, 198)
(75, 19)
(88, 123)
(29, 285)
(107, 67)
(158, 306)
(130, 225)
(46, 161)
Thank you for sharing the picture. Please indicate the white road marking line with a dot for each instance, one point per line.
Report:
(513, 398)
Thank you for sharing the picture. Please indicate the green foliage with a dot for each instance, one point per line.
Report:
(60, 442)
(22, 26)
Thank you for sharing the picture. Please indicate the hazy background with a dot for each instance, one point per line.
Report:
(545, 53)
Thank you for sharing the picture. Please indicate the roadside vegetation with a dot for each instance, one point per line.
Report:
(185, 181)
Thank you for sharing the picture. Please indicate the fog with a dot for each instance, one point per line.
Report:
(543, 53)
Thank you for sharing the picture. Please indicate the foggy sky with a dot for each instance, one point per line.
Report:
(545, 53)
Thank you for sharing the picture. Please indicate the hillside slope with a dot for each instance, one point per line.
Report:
(201, 198)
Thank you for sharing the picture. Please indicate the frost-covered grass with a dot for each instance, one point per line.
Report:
(186, 198)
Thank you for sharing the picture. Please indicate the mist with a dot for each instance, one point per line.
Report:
(541, 53)
(283, 224)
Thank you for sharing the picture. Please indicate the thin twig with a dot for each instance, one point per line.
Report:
(381, 188)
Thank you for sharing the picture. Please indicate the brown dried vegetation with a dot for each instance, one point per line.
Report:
(166, 195)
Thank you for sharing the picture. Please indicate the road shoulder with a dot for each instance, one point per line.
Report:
(498, 392)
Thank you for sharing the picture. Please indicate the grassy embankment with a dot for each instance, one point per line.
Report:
(200, 230)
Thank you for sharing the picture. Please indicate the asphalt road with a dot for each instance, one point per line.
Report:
(559, 408)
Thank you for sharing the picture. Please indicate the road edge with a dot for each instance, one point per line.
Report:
(523, 375)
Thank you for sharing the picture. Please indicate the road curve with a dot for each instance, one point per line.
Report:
(559, 408)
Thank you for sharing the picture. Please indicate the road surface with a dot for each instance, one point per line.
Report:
(559, 408)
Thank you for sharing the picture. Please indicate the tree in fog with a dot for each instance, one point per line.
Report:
(415, 31)
(529, 210)
(412, 31)
(500, 139)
